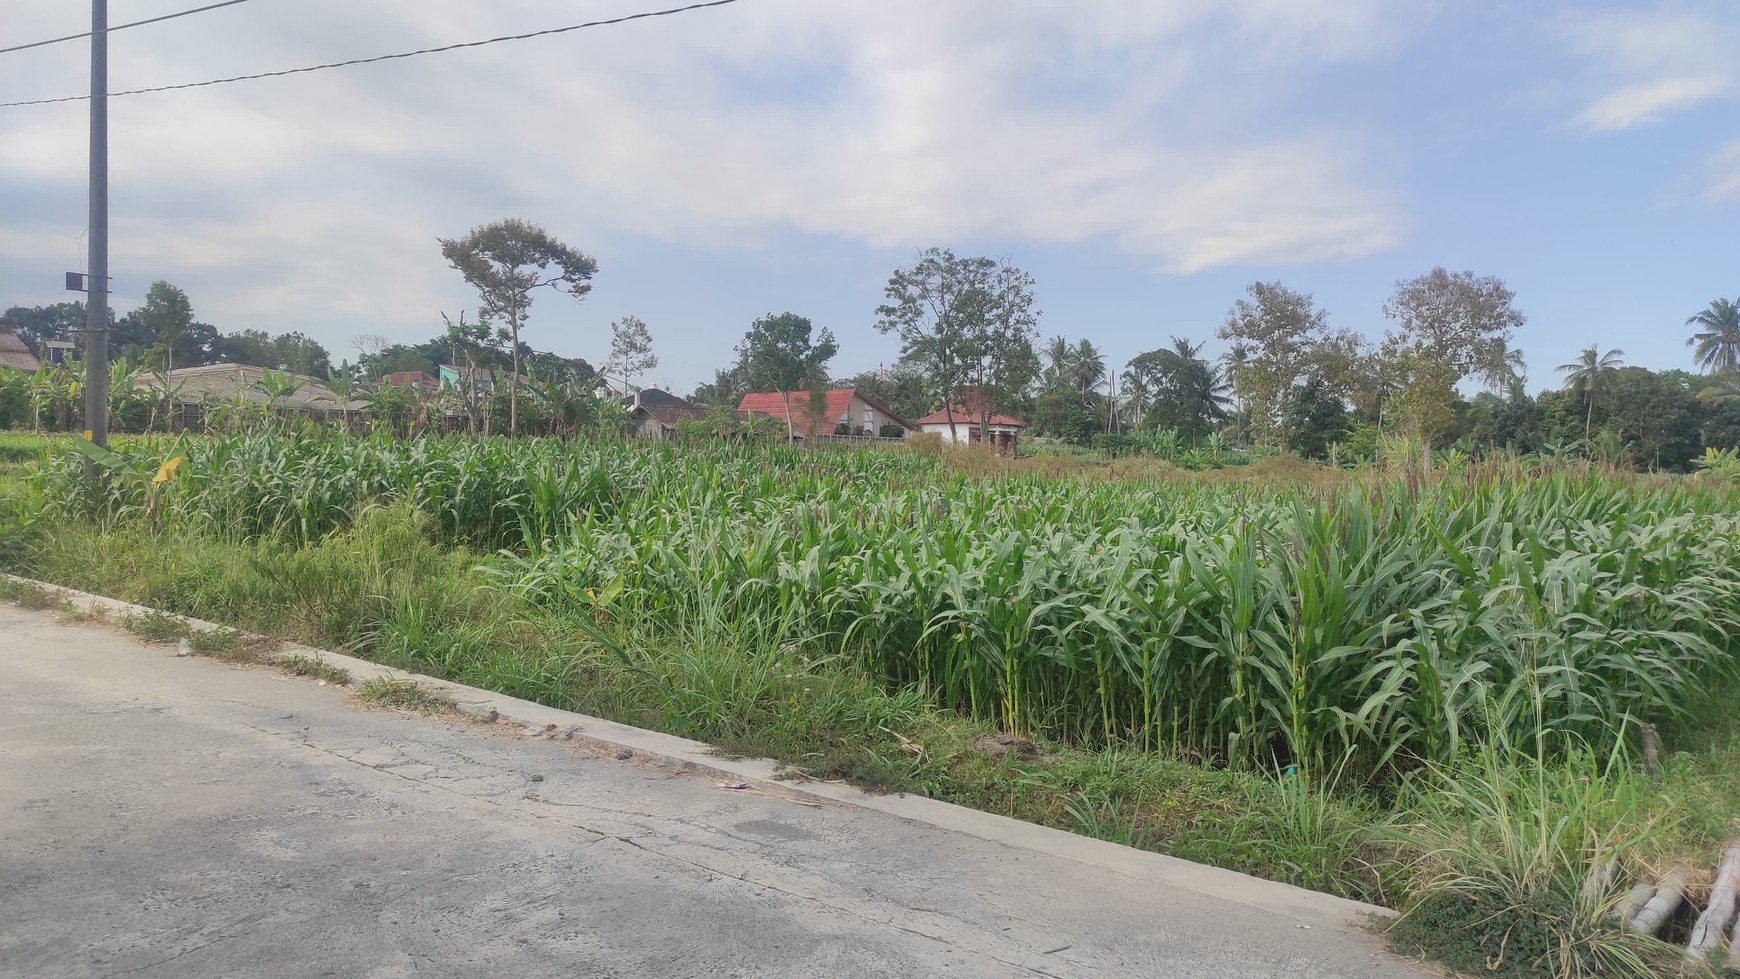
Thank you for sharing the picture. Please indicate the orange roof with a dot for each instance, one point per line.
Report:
(964, 417)
(772, 404)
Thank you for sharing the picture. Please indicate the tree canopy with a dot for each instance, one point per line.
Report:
(505, 261)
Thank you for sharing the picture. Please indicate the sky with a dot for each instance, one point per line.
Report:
(1144, 160)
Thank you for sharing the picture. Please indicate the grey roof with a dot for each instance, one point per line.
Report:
(225, 382)
(665, 406)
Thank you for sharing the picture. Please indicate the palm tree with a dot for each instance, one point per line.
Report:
(1059, 357)
(1502, 368)
(1717, 341)
(1088, 366)
(1588, 377)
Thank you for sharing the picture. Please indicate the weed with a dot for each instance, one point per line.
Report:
(297, 664)
(405, 695)
(28, 594)
(156, 627)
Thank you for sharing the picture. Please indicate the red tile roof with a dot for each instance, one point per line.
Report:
(964, 417)
(771, 403)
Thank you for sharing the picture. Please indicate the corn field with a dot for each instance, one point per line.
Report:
(1371, 628)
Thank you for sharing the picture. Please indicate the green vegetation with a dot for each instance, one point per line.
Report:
(317, 667)
(407, 695)
(1422, 690)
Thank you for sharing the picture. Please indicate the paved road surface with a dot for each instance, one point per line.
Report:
(167, 817)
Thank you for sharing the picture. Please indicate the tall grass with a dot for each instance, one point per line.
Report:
(1360, 629)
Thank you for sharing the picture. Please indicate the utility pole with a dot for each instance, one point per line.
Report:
(97, 298)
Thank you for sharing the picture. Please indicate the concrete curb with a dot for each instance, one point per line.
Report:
(1306, 907)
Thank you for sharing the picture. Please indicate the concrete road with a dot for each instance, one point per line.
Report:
(172, 817)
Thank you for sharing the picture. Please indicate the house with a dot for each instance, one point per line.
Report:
(1005, 431)
(847, 412)
(14, 353)
(654, 413)
(482, 380)
(191, 388)
(415, 380)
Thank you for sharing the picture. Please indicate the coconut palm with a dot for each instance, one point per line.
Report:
(1717, 342)
(1087, 366)
(1589, 376)
(1502, 368)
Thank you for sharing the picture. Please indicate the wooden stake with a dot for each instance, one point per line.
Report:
(1651, 756)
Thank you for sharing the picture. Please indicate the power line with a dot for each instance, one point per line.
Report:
(121, 27)
(384, 57)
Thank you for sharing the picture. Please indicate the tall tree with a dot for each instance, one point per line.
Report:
(631, 353)
(169, 314)
(505, 261)
(1589, 377)
(1450, 325)
(1182, 390)
(965, 322)
(1087, 367)
(34, 324)
(1277, 326)
(1716, 345)
(777, 352)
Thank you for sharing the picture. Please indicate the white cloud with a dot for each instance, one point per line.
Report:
(1725, 174)
(1634, 105)
(1161, 127)
(1651, 63)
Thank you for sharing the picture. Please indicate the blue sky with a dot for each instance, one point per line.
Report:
(1145, 160)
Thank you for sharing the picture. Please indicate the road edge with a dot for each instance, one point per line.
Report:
(1306, 907)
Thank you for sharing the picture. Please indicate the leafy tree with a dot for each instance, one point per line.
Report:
(567, 371)
(169, 315)
(1509, 421)
(726, 390)
(504, 261)
(1316, 419)
(1275, 328)
(34, 324)
(252, 347)
(1588, 378)
(964, 322)
(1716, 345)
(900, 387)
(630, 350)
(1450, 325)
(1658, 420)
(1180, 389)
(1069, 404)
(778, 353)
(1721, 428)
(301, 354)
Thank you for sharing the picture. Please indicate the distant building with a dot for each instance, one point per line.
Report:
(1004, 431)
(416, 380)
(847, 411)
(481, 379)
(655, 413)
(58, 351)
(15, 354)
(191, 388)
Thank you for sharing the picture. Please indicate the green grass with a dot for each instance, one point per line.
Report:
(229, 645)
(1321, 684)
